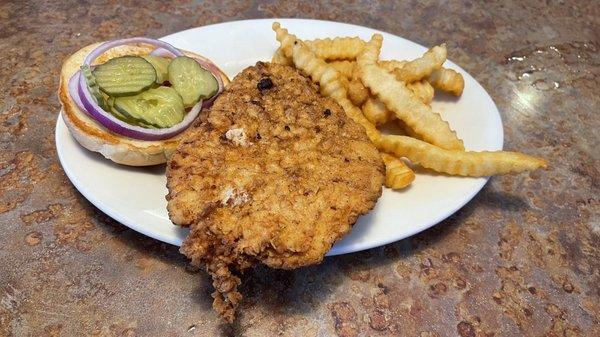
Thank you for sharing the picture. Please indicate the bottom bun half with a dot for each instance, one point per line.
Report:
(94, 136)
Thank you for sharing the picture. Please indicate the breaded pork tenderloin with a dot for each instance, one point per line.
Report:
(275, 174)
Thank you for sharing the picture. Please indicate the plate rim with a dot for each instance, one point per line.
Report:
(355, 247)
(89, 196)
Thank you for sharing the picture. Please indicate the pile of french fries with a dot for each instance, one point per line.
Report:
(373, 92)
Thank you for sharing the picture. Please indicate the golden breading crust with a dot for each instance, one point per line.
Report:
(274, 173)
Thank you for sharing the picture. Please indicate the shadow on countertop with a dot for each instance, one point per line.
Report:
(300, 291)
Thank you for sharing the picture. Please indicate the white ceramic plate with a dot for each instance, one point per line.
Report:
(136, 196)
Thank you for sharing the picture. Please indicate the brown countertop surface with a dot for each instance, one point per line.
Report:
(522, 258)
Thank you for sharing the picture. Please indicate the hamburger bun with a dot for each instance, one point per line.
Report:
(93, 135)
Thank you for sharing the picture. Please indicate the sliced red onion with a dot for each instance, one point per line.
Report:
(81, 95)
(112, 44)
(209, 102)
(118, 126)
(74, 92)
(162, 53)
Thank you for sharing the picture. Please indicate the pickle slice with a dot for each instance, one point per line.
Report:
(110, 101)
(90, 80)
(117, 113)
(125, 75)
(161, 65)
(191, 81)
(161, 107)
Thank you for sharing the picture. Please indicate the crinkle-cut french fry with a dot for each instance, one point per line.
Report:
(391, 65)
(286, 40)
(357, 92)
(447, 80)
(443, 79)
(423, 90)
(339, 48)
(402, 102)
(469, 163)
(327, 77)
(370, 53)
(446, 154)
(422, 67)
(397, 174)
(407, 130)
(356, 115)
(280, 58)
(344, 82)
(376, 111)
(345, 68)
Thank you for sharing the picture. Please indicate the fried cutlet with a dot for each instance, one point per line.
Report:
(275, 173)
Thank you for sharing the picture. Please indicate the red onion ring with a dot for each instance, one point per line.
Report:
(74, 92)
(118, 126)
(82, 97)
(162, 53)
(94, 54)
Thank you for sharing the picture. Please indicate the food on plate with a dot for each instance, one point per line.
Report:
(443, 79)
(192, 82)
(141, 109)
(391, 65)
(407, 130)
(455, 162)
(339, 48)
(422, 67)
(357, 92)
(320, 72)
(376, 111)
(422, 90)
(287, 158)
(161, 65)
(396, 89)
(132, 99)
(335, 50)
(402, 102)
(447, 80)
(124, 76)
(280, 58)
(274, 173)
(344, 67)
(397, 174)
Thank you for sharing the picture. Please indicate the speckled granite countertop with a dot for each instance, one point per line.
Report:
(521, 259)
